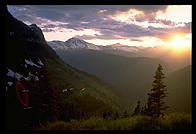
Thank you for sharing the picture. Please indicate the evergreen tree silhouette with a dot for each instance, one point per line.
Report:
(137, 110)
(156, 104)
(116, 116)
(125, 114)
(105, 115)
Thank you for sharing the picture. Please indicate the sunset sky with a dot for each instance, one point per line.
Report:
(134, 25)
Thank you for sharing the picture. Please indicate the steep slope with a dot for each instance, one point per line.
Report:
(37, 80)
(179, 85)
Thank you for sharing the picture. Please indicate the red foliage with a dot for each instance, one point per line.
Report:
(22, 94)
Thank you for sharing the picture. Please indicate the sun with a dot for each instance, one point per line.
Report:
(179, 44)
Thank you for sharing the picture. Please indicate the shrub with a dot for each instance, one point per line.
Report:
(176, 121)
(172, 121)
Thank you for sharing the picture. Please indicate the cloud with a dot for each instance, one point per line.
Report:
(47, 30)
(165, 33)
(104, 21)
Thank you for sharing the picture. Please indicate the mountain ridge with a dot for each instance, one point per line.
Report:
(163, 53)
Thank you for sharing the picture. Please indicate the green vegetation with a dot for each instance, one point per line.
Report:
(179, 84)
(126, 74)
(134, 81)
(173, 121)
(64, 76)
(151, 117)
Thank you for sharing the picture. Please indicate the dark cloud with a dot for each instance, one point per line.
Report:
(79, 12)
(48, 30)
(49, 26)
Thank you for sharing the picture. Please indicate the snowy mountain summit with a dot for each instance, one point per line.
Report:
(72, 43)
(76, 43)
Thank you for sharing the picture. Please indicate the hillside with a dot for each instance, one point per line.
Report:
(40, 87)
(179, 90)
(179, 84)
(126, 74)
(131, 73)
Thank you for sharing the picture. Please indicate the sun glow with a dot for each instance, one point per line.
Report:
(180, 44)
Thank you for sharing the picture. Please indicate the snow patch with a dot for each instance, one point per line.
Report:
(40, 62)
(18, 76)
(25, 91)
(83, 89)
(27, 107)
(14, 74)
(10, 83)
(30, 76)
(36, 78)
(11, 33)
(31, 63)
(10, 73)
(64, 90)
(71, 89)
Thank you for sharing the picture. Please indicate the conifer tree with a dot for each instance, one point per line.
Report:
(125, 114)
(105, 115)
(137, 110)
(156, 104)
(116, 116)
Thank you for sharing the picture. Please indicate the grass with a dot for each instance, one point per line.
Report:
(176, 121)
(173, 121)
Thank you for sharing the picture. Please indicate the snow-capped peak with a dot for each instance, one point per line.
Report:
(76, 40)
(76, 43)
(72, 43)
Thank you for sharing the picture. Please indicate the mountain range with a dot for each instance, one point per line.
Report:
(130, 69)
(174, 60)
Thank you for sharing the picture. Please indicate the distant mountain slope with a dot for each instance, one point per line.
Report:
(179, 89)
(129, 71)
(179, 84)
(32, 63)
(126, 74)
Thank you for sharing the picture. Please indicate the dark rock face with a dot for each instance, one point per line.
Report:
(25, 47)
(20, 31)
(37, 34)
(23, 41)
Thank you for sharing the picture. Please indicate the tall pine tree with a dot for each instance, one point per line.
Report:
(156, 104)
(137, 110)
